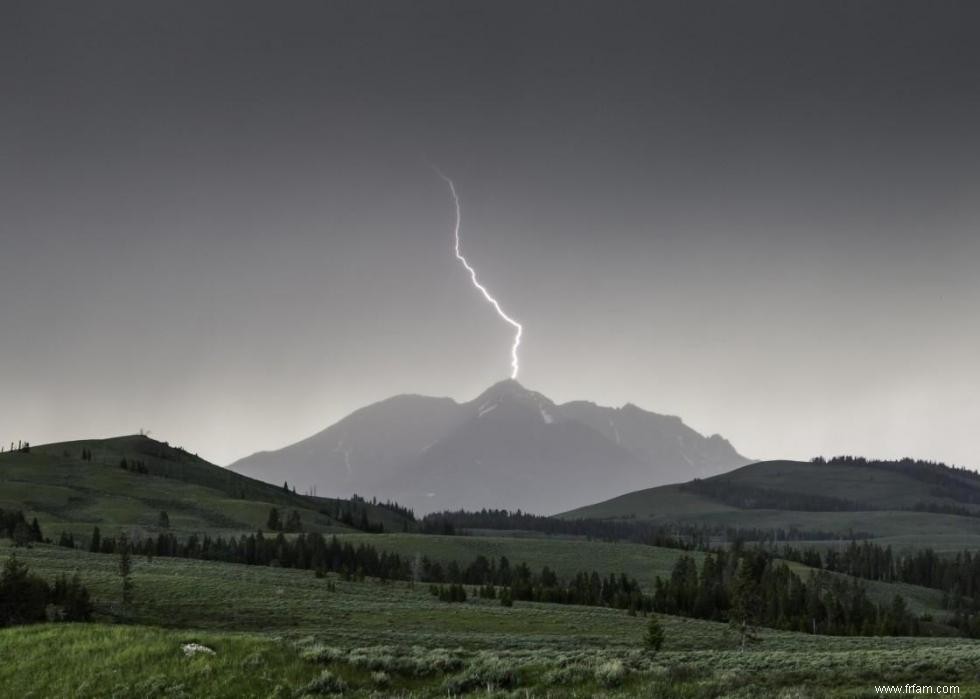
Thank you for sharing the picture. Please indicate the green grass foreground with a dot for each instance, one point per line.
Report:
(102, 660)
(99, 660)
(276, 632)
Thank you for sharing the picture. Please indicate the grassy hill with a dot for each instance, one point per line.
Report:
(852, 484)
(67, 492)
(836, 498)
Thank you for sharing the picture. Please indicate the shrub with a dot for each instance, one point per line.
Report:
(318, 653)
(572, 674)
(611, 673)
(326, 683)
(681, 673)
(376, 658)
(432, 661)
(486, 671)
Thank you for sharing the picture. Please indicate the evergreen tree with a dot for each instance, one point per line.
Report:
(22, 534)
(73, 599)
(745, 602)
(36, 531)
(293, 522)
(163, 521)
(23, 596)
(95, 545)
(125, 569)
(654, 638)
(274, 523)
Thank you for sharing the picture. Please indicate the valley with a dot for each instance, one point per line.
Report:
(313, 631)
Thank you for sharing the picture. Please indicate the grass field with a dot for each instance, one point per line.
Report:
(99, 660)
(210, 595)
(275, 631)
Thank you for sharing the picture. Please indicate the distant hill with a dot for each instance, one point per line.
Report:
(910, 502)
(125, 482)
(509, 447)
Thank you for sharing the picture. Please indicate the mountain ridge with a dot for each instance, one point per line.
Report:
(898, 502)
(505, 447)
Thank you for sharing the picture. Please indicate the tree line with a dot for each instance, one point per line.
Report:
(954, 482)
(671, 536)
(688, 537)
(750, 588)
(957, 575)
(26, 598)
(954, 574)
(312, 551)
(390, 505)
(22, 447)
(13, 525)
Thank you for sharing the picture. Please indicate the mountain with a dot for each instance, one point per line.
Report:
(508, 448)
(124, 483)
(362, 451)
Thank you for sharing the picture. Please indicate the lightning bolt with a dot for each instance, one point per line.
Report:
(518, 328)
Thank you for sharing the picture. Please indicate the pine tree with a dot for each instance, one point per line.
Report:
(96, 543)
(125, 569)
(73, 597)
(274, 523)
(22, 534)
(745, 603)
(23, 596)
(654, 638)
(293, 523)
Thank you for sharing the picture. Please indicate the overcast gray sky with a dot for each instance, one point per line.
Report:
(217, 221)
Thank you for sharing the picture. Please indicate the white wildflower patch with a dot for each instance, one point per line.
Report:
(192, 649)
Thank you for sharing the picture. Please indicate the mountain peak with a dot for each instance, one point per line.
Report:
(507, 387)
(511, 391)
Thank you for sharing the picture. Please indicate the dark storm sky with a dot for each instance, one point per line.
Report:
(217, 221)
